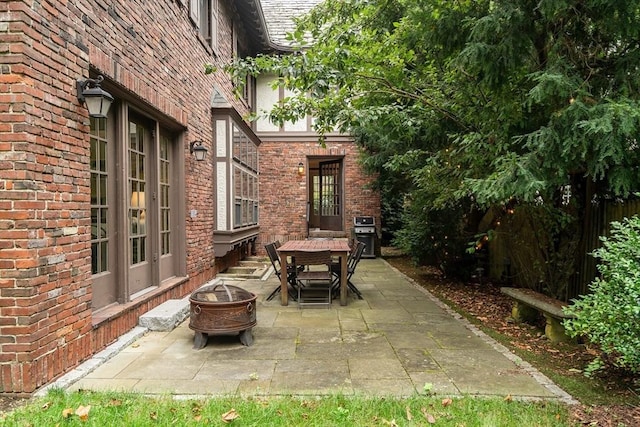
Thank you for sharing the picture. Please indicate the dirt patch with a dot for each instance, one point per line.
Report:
(483, 304)
(9, 403)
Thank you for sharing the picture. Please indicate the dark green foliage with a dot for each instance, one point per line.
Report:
(610, 315)
(460, 103)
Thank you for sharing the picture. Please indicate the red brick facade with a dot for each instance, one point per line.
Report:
(149, 53)
(283, 193)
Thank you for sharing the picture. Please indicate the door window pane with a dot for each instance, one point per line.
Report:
(98, 183)
(137, 196)
(165, 187)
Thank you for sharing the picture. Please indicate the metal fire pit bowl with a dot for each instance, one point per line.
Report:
(222, 310)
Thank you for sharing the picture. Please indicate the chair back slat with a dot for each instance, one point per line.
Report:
(312, 258)
(354, 256)
(273, 257)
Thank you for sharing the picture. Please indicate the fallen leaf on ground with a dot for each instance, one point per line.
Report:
(67, 412)
(230, 415)
(447, 401)
(409, 416)
(427, 416)
(83, 412)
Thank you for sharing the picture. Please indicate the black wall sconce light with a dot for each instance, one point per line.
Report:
(98, 101)
(300, 168)
(199, 150)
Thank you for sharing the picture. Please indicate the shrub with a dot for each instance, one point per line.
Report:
(609, 316)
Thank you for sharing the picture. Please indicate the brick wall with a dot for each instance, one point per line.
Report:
(283, 193)
(146, 48)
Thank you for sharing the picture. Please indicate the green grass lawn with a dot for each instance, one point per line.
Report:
(125, 409)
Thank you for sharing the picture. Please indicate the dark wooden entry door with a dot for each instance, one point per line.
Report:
(330, 195)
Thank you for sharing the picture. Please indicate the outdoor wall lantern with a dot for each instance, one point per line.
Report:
(97, 100)
(300, 169)
(199, 150)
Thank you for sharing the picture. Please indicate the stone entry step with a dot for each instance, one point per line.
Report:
(167, 315)
(254, 268)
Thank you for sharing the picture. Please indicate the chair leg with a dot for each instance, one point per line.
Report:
(273, 293)
(277, 290)
(335, 287)
(354, 289)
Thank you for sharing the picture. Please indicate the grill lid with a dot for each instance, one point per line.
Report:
(363, 220)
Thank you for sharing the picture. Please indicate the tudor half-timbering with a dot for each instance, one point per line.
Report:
(104, 218)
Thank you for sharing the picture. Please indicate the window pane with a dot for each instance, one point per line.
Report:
(93, 156)
(103, 224)
(104, 254)
(165, 187)
(98, 183)
(94, 258)
(94, 223)
(103, 190)
(94, 188)
(245, 179)
(103, 156)
(237, 140)
(137, 197)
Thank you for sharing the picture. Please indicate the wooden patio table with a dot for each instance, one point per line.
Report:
(339, 248)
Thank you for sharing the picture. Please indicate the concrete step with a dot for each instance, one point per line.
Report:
(255, 259)
(248, 269)
(167, 315)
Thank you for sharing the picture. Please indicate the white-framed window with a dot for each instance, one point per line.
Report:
(245, 179)
(204, 15)
(194, 11)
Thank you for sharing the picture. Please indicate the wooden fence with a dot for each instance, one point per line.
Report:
(515, 255)
(600, 218)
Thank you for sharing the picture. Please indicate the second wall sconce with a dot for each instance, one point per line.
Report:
(300, 169)
(97, 100)
(199, 150)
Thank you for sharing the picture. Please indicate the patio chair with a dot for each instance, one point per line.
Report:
(315, 279)
(352, 263)
(275, 262)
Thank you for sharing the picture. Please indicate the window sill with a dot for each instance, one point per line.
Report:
(225, 241)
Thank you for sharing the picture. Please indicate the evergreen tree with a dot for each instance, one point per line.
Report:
(470, 104)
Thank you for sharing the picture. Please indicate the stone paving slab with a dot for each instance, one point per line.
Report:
(395, 341)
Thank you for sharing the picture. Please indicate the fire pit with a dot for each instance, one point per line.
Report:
(221, 310)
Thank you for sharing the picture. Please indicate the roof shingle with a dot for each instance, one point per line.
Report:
(278, 16)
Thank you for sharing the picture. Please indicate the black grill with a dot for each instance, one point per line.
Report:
(364, 228)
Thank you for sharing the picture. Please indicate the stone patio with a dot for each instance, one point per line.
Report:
(398, 341)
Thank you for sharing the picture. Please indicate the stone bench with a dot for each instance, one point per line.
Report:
(528, 304)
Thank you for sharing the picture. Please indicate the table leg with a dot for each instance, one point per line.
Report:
(284, 286)
(343, 279)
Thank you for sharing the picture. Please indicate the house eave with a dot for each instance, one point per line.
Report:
(253, 16)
